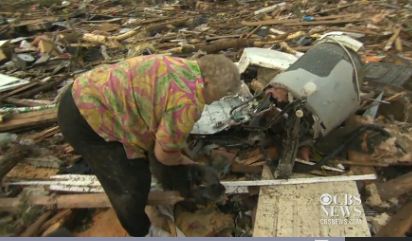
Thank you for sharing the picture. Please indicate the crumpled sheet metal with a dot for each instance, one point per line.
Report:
(216, 116)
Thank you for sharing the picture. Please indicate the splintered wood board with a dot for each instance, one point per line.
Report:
(24, 171)
(295, 210)
(29, 119)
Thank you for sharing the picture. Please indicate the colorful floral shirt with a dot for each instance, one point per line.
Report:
(141, 100)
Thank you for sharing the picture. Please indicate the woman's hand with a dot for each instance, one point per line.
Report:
(171, 158)
(186, 160)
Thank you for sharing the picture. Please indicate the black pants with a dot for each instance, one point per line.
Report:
(125, 181)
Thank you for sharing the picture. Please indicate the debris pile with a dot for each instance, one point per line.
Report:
(285, 118)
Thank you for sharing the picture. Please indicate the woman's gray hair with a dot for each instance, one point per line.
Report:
(220, 72)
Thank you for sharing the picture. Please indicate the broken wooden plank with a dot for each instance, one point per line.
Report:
(12, 157)
(31, 119)
(285, 47)
(24, 171)
(221, 44)
(89, 183)
(5, 50)
(80, 201)
(55, 222)
(46, 46)
(18, 90)
(398, 44)
(301, 180)
(10, 82)
(26, 102)
(395, 187)
(44, 86)
(296, 210)
(61, 214)
(172, 228)
(148, 21)
(158, 27)
(241, 168)
(399, 224)
(101, 39)
(55, 228)
(211, 38)
(214, 46)
(33, 229)
(328, 20)
(40, 136)
(114, 41)
(128, 34)
(32, 25)
(269, 8)
(264, 212)
(392, 39)
(251, 160)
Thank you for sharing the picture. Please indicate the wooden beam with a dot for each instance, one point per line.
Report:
(56, 222)
(40, 136)
(158, 27)
(92, 185)
(301, 180)
(60, 215)
(399, 224)
(30, 119)
(226, 43)
(26, 102)
(18, 90)
(80, 201)
(43, 87)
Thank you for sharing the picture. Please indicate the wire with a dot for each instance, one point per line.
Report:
(244, 103)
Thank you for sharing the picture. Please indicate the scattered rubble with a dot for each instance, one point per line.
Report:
(379, 221)
(364, 130)
(205, 223)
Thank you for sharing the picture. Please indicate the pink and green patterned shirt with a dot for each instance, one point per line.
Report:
(140, 100)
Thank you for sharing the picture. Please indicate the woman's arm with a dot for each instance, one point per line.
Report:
(171, 158)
